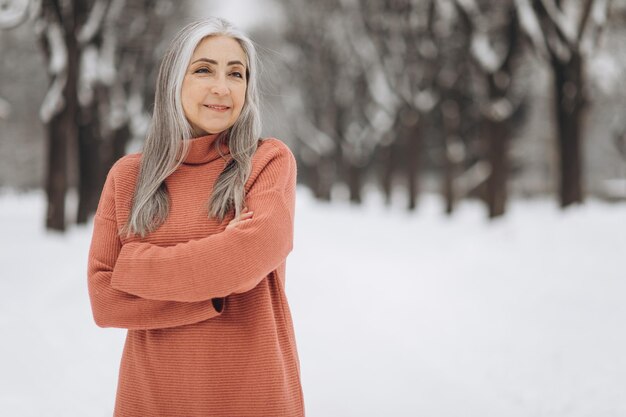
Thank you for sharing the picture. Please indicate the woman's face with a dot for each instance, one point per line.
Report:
(214, 87)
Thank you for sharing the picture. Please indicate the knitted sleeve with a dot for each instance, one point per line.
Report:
(232, 261)
(114, 308)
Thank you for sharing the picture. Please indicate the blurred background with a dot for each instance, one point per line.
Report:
(460, 231)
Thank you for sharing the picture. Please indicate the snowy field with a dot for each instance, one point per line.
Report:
(396, 314)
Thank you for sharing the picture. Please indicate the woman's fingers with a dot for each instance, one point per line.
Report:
(242, 217)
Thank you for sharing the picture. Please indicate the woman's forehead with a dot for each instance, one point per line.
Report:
(221, 49)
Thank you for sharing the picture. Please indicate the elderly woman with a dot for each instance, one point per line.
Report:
(190, 241)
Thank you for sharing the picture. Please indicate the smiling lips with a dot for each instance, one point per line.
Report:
(216, 107)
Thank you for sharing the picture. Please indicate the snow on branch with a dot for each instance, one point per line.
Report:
(94, 22)
(378, 84)
(107, 70)
(599, 12)
(483, 52)
(379, 121)
(58, 49)
(88, 75)
(565, 24)
(498, 110)
(425, 100)
(53, 103)
(481, 48)
(472, 177)
(318, 141)
(598, 18)
(530, 25)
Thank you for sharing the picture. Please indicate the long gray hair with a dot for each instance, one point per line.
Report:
(169, 127)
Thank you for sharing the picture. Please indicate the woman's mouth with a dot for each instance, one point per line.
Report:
(216, 107)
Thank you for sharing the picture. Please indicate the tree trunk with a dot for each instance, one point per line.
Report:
(62, 128)
(413, 154)
(89, 163)
(387, 168)
(62, 133)
(355, 180)
(56, 178)
(497, 136)
(450, 119)
(120, 139)
(323, 180)
(569, 107)
(448, 175)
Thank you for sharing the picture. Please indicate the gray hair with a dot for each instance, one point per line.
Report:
(169, 127)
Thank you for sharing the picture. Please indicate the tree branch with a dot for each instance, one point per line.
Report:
(584, 18)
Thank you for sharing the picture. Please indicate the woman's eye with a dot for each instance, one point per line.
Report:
(237, 74)
(202, 70)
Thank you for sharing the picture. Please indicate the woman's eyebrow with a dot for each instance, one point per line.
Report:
(212, 61)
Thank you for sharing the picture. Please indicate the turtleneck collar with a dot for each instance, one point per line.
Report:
(202, 150)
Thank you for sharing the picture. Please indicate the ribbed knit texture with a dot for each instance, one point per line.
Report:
(210, 330)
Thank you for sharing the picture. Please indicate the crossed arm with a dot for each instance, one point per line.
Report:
(115, 308)
(233, 261)
(142, 285)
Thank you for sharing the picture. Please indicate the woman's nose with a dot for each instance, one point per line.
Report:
(219, 87)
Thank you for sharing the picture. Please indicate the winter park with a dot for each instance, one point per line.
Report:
(434, 225)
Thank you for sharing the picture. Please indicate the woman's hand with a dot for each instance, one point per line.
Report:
(243, 216)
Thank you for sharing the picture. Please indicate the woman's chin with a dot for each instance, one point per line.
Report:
(211, 130)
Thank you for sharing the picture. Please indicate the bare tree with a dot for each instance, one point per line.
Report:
(455, 111)
(495, 62)
(93, 50)
(379, 79)
(313, 108)
(112, 95)
(565, 33)
(57, 26)
(401, 32)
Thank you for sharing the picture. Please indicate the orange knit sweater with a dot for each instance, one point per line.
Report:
(210, 333)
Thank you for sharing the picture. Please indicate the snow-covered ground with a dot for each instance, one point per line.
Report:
(396, 314)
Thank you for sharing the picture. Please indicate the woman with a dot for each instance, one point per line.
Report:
(190, 240)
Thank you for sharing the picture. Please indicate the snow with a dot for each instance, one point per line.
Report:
(531, 26)
(564, 19)
(481, 47)
(499, 109)
(361, 44)
(615, 187)
(5, 109)
(425, 100)
(58, 49)
(379, 120)
(53, 102)
(606, 71)
(88, 75)
(396, 314)
(472, 177)
(599, 12)
(592, 35)
(94, 22)
(13, 13)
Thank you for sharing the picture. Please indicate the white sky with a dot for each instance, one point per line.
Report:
(243, 13)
